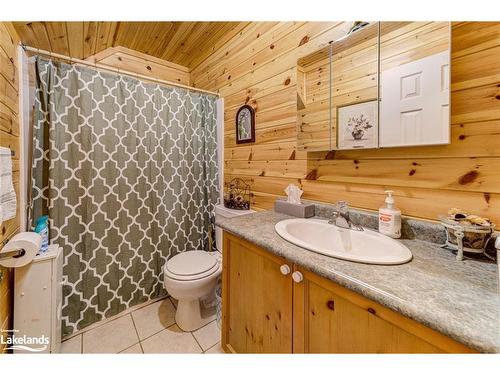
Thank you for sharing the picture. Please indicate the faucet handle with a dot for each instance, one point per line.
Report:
(333, 218)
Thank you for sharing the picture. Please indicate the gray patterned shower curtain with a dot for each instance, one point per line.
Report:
(127, 172)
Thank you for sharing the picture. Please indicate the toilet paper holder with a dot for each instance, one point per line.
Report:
(10, 254)
(13, 254)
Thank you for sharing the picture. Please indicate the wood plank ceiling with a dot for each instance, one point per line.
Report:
(184, 43)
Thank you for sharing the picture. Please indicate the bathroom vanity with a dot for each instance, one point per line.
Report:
(280, 298)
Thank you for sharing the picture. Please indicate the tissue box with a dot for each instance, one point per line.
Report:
(292, 209)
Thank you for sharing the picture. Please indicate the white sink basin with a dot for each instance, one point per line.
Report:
(365, 246)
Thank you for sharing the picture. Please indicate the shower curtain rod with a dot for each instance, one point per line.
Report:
(112, 69)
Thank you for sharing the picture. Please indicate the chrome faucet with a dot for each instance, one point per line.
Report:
(340, 217)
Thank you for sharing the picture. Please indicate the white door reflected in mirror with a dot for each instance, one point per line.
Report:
(415, 102)
(414, 92)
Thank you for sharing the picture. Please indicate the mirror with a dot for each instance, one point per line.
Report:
(384, 84)
(355, 88)
(414, 83)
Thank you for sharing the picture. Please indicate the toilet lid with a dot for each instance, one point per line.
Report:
(191, 263)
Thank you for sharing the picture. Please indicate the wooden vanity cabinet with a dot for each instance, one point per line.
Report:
(257, 300)
(267, 310)
(329, 318)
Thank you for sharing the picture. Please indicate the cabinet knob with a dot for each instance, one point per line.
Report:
(285, 269)
(297, 277)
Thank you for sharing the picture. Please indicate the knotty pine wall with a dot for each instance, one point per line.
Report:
(138, 62)
(258, 67)
(9, 137)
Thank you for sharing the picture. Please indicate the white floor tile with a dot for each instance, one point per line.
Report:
(171, 340)
(154, 318)
(71, 346)
(216, 349)
(111, 337)
(135, 349)
(208, 335)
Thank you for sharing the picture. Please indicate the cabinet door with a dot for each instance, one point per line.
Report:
(331, 319)
(257, 300)
(32, 301)
(414, 83)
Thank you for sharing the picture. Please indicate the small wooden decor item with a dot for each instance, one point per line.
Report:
(245, 125)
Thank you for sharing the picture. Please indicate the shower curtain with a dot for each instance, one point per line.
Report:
(127, 172)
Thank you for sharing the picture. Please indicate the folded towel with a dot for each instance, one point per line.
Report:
(7, 193)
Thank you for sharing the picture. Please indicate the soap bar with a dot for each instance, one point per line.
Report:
(292, 209)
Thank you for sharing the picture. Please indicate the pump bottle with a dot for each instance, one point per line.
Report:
(389, 217)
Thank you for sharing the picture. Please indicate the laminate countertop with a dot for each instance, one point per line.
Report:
(457, 298)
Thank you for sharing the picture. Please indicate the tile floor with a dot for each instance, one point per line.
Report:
(149, 330)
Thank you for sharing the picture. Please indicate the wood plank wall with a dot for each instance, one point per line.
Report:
(141, 63)
(354, 79)
(258, 67)
(9, 137)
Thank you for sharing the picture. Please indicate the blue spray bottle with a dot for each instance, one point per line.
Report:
(42, 228)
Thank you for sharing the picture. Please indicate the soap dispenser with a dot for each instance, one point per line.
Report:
(389, 217)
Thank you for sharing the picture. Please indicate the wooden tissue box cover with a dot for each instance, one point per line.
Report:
(292, 209)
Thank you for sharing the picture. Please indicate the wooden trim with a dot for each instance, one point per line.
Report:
(101, 55)
(108, 52)
(229, 349)
(155, 59)
(225, 293)
(300, 306)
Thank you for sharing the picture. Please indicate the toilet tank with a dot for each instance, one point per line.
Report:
(221, 211)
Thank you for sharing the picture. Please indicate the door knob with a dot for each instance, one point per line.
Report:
(285, 269)
(297, 277)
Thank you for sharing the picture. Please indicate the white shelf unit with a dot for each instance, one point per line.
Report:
(38, 299)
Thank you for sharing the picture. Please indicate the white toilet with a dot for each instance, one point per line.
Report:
(191, 275)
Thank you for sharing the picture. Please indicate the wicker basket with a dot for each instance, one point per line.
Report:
(218, 298)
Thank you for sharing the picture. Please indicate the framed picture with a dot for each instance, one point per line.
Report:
(245, 125)
(357, 125)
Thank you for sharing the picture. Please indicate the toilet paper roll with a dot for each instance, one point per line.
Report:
(30, 242)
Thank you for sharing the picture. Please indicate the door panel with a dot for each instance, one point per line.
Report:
(339, 326)
(329, 318)
(257, 300)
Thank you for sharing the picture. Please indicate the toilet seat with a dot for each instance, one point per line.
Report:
(191, 265)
